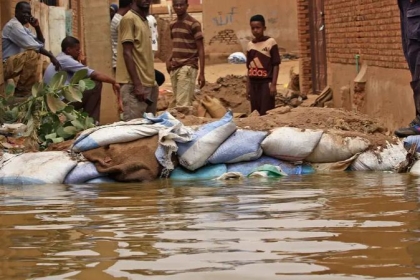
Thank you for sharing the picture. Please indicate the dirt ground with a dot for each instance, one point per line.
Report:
(214, 72)
(226, 82)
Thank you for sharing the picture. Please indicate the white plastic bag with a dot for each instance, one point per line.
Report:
(237, 58)
(334, 148)
(291, 144)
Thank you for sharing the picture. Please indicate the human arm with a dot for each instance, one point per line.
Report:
(100, 77)
(132, 71)
(201, 76)
(35, 24)
(273, 84)
(199, 39)
(275, 60)
(52, 58)
(127, 37)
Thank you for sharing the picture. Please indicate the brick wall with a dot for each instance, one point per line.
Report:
(369, 28)
(304, 46)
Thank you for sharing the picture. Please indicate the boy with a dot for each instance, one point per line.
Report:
(187, 51)
(263, 60)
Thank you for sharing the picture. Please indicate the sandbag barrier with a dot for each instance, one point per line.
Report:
(145, 149)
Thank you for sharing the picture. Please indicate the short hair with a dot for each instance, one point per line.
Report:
(20, 5)
(69, 42)
(124, 3)
(259, 18)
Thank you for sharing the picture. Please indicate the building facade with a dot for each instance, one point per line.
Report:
(354, 46)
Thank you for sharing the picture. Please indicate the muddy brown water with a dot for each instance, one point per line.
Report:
(332, 226)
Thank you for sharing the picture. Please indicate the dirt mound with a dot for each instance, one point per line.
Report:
(231, 91)
(343, 122)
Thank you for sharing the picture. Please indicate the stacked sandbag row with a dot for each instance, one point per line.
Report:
(143, 150)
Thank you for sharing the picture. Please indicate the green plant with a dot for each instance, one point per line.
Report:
(48, 113)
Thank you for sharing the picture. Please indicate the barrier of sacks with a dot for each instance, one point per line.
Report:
(207, 152)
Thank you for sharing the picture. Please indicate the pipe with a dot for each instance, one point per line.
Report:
(357, 57)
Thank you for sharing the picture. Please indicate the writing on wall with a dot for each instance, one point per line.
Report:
(225, 19)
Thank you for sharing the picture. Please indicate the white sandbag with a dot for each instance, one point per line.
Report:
(386, 159)
(415, 170)
(410, 140)
(237, 58)
(291, 144)
(206, 140)
(243, 145)
(83, 172)
(35, 168)
(334, 148)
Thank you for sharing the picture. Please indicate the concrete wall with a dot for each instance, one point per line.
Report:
(388, 93)
(97, 38)
(226, 24)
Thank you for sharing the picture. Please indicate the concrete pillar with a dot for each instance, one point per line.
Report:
(97, 45)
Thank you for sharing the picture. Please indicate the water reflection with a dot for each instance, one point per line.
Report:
(351, 226)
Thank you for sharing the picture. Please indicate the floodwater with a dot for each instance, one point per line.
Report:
(336, 226)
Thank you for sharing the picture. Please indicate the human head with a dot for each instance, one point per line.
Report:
(180, 7)
(125, 3)
(23, 12)
(143, 4)
(113, 10)
(258, 27)
(71, 46)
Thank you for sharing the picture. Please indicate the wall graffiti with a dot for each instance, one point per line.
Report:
(227, 37)
(225, 19)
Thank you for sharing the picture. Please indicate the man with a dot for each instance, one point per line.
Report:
(113, 10)
(68, 60)
(21, 50)
(135, 67)
(188, 49)
(125, 6)
(159, 76)
(410, 35)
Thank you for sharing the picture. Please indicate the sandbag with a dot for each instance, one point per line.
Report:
(415, 170)
(83, 172)
(205, 173)
(334, 166)
(243, 145)
(246, 168)
(128, 162)
(206, 140)
(267, 171)
(214, 107)
(200, 109)
(380, 160)
(291, 144)
(101, 180)
(410, 140)
(35, 168)
(334, 148)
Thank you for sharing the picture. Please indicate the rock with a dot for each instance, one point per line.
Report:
(254, 114)
(280, 110)
(295, 102)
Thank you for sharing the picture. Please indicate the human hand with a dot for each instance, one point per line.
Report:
(138, 92)
(34, 22)
(201, 81)
(82, 59)
(55, 62)
(273, 89)
(116, 87)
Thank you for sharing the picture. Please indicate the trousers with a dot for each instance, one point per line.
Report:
(410, 37)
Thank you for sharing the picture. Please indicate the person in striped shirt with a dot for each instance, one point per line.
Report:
(124, 7)
(187, 51)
